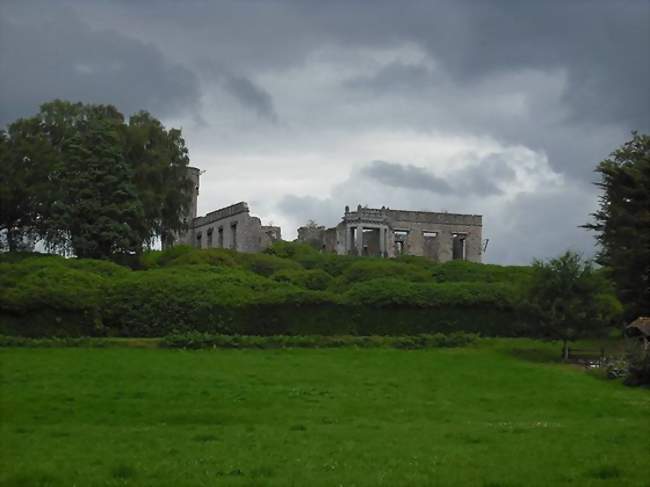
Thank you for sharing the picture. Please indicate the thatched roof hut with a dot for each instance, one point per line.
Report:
(640, 329)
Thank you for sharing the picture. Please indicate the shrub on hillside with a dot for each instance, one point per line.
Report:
(265, 264)
(463, 271)
(314, 279)
(367, 269)
(396, 292)
(290, 250)
(213, 257)
(149, 303)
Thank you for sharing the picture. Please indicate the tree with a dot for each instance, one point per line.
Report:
(571, 299)
(160, 160)
(26, 159)
(83, 180)
(97, 207)
(622, 222)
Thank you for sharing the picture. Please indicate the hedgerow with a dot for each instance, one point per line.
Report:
(197, 340)
(291, 289)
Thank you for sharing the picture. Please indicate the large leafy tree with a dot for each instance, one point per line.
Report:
(26, 160)
(571, 299)
(622, 222)
(84, 180)
(97, 208)
(160, 159)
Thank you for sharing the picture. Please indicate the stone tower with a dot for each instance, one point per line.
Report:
(193, 174)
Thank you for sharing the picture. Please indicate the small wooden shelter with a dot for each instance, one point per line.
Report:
(640, 329)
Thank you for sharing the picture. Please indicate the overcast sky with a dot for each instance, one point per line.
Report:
(499, 108)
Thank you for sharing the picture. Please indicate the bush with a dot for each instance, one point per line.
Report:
(367, 269)
(638, 368)
(197, 340)
(314, 279)
(266, 265)
(396, 292)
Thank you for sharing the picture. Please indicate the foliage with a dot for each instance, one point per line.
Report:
(622, 222)
(85, 181)
(96, 208)
(25, 162)
(570, 298)
(314, 279)
(396, 292)
(221, 291)
(194, 340)
(374, 268)
(638, 366)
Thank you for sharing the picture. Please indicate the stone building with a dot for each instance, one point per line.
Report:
(231, 227)
(390, 233)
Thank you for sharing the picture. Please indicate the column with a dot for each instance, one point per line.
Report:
(382, 240)
(359, 240)
(348, 239)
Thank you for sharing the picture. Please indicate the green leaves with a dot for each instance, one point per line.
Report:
(570, 298)
(84, 180)
(622, 222)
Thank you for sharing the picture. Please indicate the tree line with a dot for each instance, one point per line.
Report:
(84, 180)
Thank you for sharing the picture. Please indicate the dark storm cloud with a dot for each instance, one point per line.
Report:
(568, 80)
(49, 54)
(251, 96)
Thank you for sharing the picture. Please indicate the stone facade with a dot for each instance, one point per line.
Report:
(231, 227)
(390, 233)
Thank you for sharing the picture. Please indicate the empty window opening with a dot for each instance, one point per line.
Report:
(400, 237)
(459, 246)
(198, 240)
(430, 245)
(372, 244)
(220, 237)
(210, 230)
(233, 230)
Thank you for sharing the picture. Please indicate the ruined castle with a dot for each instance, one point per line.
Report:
(231, 227)
(380, 232)
(384, 232)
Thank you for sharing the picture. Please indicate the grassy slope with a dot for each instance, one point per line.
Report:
(475, 416)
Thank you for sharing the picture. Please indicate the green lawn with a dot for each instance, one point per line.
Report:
(474, 416)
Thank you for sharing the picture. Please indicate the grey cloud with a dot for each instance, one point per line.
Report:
(301, 209)
(394, 77)
(539, 226)
(55, 55)
(531, 225)
(405, 176)
(251, 96)
(483, 178)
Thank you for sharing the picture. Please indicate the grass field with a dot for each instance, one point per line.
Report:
(480, 416)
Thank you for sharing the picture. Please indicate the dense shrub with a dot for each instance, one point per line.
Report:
(55, 342)
(638, 367)
(287, 291)
(195, 340)
(266, 265)
(314, 279)
(370, 268)
(396, 292)
(463, 271)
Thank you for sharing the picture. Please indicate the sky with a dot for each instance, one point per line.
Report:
(498, 108)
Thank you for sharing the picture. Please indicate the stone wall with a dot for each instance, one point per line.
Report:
(231, 227)
(389, 233)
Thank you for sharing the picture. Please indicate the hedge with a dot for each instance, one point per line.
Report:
(287, 291)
